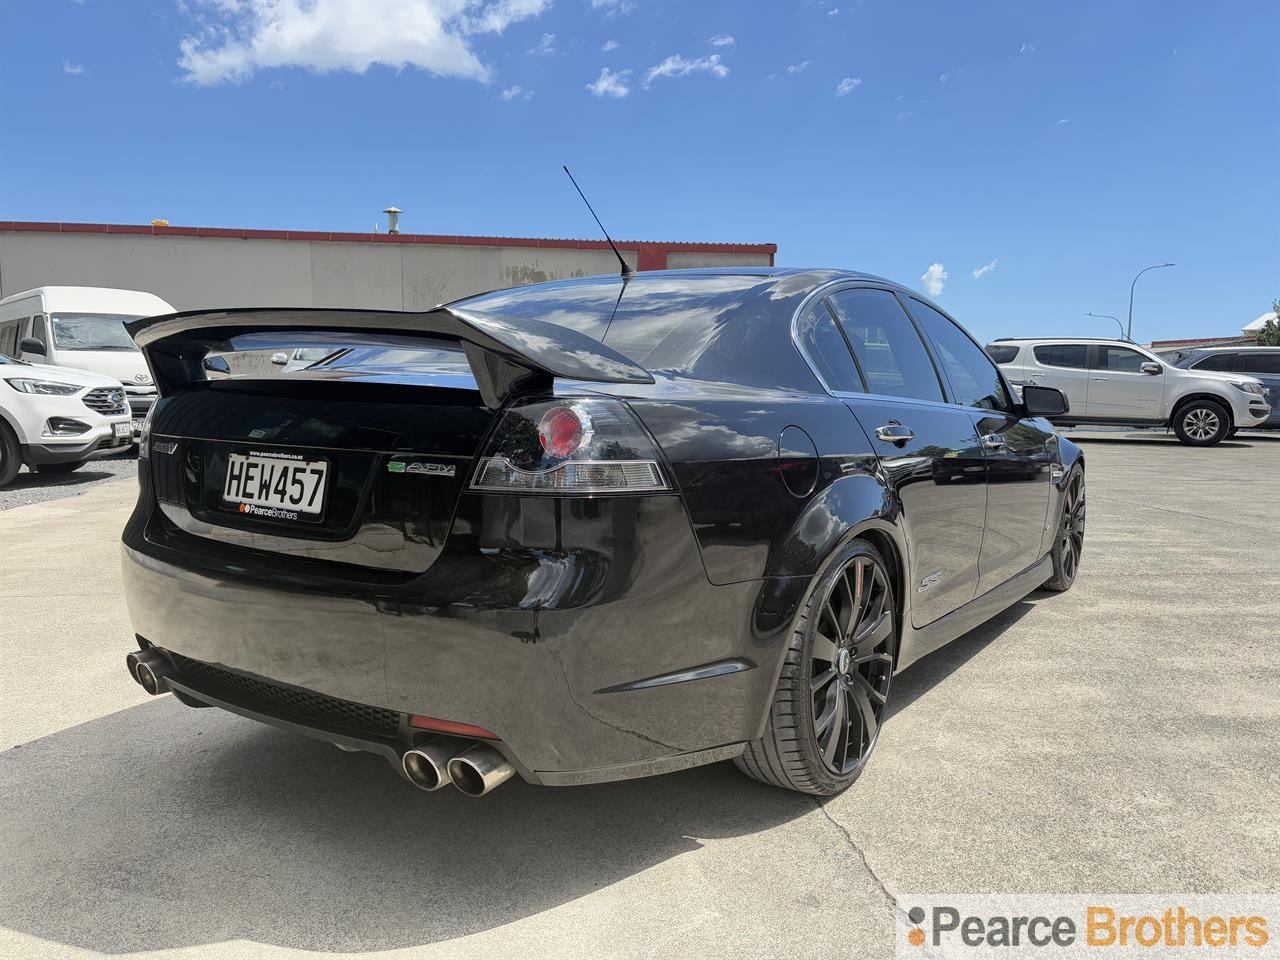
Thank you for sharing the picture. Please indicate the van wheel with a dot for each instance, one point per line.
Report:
(1202, 423)
(831, 698)
(69, 467)
(10, 455)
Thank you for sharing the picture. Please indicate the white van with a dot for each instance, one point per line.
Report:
(82, 328)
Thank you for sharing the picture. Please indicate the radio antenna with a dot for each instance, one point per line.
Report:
(626, 270)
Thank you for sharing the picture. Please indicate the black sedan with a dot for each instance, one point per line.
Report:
(589, 530)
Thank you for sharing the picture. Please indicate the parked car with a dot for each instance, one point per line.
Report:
(300, 358)
(54, 419)
(1120, 384)
(83, 328)
(1262, 363)
(592, 529)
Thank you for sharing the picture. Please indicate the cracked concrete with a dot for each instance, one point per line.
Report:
(1120, 737)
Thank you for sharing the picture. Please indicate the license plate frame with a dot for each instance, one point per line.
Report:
(122, 431)
(265, 483)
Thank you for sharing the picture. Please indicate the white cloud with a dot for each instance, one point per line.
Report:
(721, 40)
(800, 67)
(933, 279)
(1027, 48)
(610, 83)
(516, 93)
(677, 66)
(238, 37)
(834, 11)
(610, 45)
(981, 272)
(847, 86)
(1062, 121)
(75, 69)
(546, 45)
(613, 8)
(944, 78)
(904, 114)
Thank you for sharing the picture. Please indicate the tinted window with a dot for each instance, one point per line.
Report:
(888, 348)
(9, 337)
(828, 350)
(1260, 363)
(1120, 358)
(1001, 354)
(1216, 361)
(1063, 355)
(973, 377)
(37, 329)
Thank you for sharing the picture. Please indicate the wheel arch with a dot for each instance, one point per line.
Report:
(1217, 398)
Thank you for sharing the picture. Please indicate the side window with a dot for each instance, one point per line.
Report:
(1260, 363)
(9, 338)
(37, 329)
(1073, 355)
(1216, 361)
(1120, 359)
(1001, 354)
(828, 351)
(889, 350)
(973, 376)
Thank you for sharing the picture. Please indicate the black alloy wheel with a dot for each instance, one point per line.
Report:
(1069, 545)
(834, 689)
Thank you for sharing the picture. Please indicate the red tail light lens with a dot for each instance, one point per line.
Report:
(561, 432)
(580, 446)
(450, 727)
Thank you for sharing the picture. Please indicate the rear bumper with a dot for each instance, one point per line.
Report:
(603, 654)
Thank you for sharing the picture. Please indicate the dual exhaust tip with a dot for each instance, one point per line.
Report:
(475, 771)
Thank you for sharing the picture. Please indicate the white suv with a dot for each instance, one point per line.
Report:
(1115, 383)
(55, 418)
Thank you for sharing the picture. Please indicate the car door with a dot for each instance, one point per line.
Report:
(1020, 451)
(1061, 365)
(1118, 387)
(929, 451)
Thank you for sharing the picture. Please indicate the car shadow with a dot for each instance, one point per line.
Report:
(927, 672)
(29, 479)
(160, 827)
(1157, 441)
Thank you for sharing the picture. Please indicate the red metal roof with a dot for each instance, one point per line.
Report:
(655, 246)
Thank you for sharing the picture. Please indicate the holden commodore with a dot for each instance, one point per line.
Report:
(589, 530)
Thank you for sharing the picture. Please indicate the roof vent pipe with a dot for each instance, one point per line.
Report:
(393, 219)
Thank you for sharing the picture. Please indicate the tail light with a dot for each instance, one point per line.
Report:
(585, 445)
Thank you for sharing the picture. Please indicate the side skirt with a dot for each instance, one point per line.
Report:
(920, 641)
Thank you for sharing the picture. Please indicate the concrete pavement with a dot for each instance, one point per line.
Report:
(1120, 737)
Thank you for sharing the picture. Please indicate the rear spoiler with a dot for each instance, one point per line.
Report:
(505, 357)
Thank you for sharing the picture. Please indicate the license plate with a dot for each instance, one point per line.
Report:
(136, 426)
(123, 430)
(274, 485)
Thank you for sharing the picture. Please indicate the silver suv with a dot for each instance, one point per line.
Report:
(1114, 383)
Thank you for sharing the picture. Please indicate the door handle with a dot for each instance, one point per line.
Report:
(1099, 379)
(894, 432)
(992, 441)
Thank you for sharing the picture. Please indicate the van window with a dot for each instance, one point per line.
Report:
(1216, 361)
(9, 337)
(92, 331)
(37, 330)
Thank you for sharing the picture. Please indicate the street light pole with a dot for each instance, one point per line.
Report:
(1107, 316)
(1154, 266)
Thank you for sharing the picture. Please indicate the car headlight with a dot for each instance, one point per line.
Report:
(1247, 386)
(49, 388)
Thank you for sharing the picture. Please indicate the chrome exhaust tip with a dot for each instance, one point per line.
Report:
(479, 770)
(149, 668)
(427, 766)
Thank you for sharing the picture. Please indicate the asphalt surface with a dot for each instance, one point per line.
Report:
(32, 487)
(1120, 737)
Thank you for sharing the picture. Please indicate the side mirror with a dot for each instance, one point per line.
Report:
(217, 365)
(280, 358)
(32, 345)
(1152, 368)
(1044, 401)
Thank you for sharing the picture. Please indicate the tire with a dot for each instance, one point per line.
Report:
(1068, 543)
(69, 467)
(830, 702)
(10, 455)
(1202, 423)
(1232, 432)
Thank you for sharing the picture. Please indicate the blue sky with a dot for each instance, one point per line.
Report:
(1066, 145)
